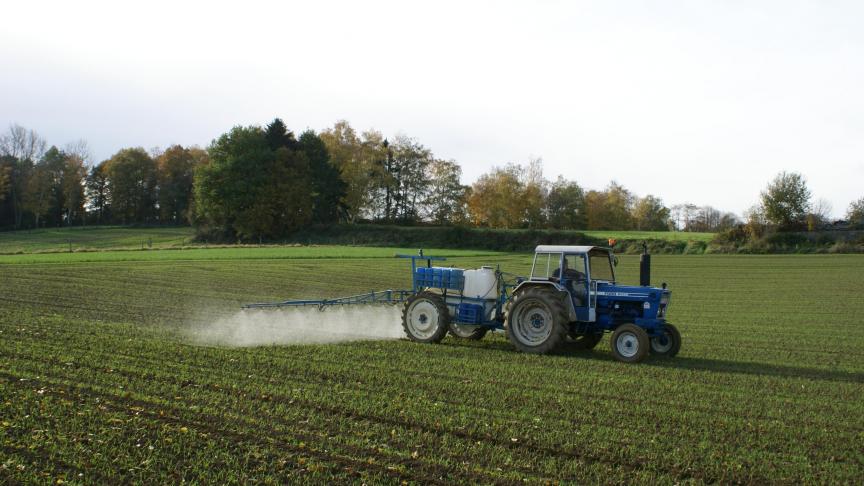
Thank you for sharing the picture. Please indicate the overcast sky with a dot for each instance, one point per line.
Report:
(693, 101)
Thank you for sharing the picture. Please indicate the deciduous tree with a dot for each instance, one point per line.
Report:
(52, 188)
(534, 192)
(21, 147)
(5, 170)
(408, 173)
(446, 196)
(22, 144)
(98, 192)
(133, 177)
(755, 221)
(38, 194)
(356, 162)
(565, 205)
(73, 179)
(495, 198)
(609, 209)
(176, 176)
(786, 200)
(649, 214)
(819, 214)
(252, 189)
(855, 213)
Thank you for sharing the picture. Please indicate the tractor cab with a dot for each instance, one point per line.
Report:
(578, 270)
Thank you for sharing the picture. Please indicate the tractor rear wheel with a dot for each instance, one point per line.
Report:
(668, 344)
(536, 320)
(425, 318)
(586, 341)
(629, 343)
(467, 331)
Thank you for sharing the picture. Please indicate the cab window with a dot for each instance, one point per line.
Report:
(545, 265)
(601, 266)
(574, 267)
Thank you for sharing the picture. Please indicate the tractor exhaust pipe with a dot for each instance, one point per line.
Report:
(645, 267)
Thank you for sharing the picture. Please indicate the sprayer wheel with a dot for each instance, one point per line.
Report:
(425, 318)
(467, 331)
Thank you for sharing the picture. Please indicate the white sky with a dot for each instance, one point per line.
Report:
(693, 101)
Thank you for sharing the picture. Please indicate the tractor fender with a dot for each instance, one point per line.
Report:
(571, 310)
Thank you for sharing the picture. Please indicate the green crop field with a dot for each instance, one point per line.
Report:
(101, 383)
(234, 254)
(101, 238)
(93, 238)
(651, 235)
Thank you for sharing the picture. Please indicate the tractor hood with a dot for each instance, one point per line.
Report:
(633, 301)
(607, 291)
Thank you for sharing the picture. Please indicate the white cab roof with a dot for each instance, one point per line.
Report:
(566, 249)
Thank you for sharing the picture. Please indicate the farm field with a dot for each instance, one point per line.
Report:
(93, 238)
(101, 238)
(100, 382)
(651, 235)
(232, 254)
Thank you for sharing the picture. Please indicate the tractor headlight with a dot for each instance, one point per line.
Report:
(664, 305)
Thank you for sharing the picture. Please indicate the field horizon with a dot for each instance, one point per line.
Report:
(113, 238)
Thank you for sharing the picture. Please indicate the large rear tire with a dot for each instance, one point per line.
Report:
(629, 343)
(425, 318)
(668, 344)
(467, 331)
(536, 320)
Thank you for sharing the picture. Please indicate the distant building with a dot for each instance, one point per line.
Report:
(840, 224)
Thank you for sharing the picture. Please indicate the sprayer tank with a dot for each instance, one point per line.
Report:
(480, 283)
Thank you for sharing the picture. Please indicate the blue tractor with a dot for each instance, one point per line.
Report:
(571, 294)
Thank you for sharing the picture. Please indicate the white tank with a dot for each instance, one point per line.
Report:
(480, 283)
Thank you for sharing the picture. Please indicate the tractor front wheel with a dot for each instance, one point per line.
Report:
(629, 343)
(536, 320)
(668, 344)
(425, 318)
(467, 331)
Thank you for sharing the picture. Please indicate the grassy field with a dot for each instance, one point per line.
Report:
(100, 384)
(100, 238)
(93, 238)
(651, 235)
(233, 254)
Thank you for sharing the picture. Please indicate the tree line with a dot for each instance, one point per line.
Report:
(266, 182)
(53, 187)
(787, 205)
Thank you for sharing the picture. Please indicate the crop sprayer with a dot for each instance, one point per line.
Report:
(571, 293)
